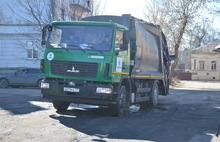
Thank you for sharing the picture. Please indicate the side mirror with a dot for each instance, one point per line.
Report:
(43, 42)
(44, 32)
(126, 37)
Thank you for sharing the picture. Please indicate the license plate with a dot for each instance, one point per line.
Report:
(68, 89)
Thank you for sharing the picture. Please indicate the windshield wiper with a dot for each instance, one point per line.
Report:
(78, 47)
(92, 47)
(58, 46)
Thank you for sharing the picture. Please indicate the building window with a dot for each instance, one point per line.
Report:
(194, 64)
(213, 65)
(201, 65)
(32, 51)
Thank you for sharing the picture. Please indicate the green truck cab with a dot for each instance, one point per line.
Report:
(112, 61)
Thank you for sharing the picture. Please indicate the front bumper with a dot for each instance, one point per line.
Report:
(79, 92)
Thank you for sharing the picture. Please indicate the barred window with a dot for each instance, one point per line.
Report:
(213, 65)
(32, 50)
(201, 65)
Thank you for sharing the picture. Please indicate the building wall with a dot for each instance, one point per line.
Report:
(207, 73)
(70, 10)
(16, 33)
(14, 49)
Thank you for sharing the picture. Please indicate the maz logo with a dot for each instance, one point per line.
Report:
(73, 70)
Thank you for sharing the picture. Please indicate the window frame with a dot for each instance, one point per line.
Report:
(32, 50)
(213, 65)
(201, 65)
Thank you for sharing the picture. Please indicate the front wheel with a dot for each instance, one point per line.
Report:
(61, 105)
(121, 105)
(4, 83)
(39, 83)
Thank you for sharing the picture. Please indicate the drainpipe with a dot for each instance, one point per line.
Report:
(52, 10)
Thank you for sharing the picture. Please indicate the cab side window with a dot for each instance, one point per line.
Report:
(119, 39)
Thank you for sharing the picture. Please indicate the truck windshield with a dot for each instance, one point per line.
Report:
(81, 37)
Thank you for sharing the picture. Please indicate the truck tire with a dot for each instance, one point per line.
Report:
(60, 105)
(154, 94)
(39, 83)
(153, 100)
(120, 107)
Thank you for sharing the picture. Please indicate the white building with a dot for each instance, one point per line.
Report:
(205, 63)
(20, 30)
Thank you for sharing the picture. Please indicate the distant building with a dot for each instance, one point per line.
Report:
(20, 34)
(205, 63)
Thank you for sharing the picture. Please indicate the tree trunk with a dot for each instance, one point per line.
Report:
(176, 47)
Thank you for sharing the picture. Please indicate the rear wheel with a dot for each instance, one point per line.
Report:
(121, 105)
(4, 83)
(154, 94)
(60, 105)
(153, 100)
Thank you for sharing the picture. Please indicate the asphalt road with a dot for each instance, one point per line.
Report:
(191, 113)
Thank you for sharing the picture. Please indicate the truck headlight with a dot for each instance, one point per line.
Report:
(44, 85)
(103, 90)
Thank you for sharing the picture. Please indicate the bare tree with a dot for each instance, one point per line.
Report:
(215, 9)
(32, 15)
(37, 13)
(201, 34)
(174, 16)
(41, 12)
(98, 7)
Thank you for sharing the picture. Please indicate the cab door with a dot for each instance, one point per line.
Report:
(123, 53)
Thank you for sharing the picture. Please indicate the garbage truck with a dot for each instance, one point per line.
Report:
(108, 61)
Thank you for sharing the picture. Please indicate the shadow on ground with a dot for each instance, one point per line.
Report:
(18, 101)
(166, 123)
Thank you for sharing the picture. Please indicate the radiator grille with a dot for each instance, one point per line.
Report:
(71, 68)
